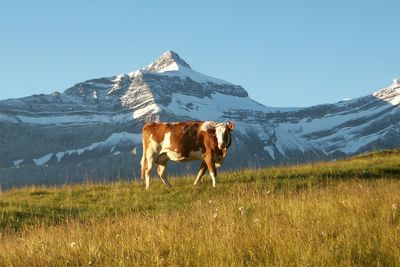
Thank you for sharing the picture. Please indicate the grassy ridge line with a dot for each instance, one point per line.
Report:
(41, 205)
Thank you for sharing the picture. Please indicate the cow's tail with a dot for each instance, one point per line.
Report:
(143, 162)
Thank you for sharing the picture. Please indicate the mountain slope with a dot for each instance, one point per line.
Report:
(89, 130)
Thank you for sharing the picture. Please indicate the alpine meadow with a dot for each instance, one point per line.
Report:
(343, 213)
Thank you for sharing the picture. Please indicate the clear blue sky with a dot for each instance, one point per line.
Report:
(284, 53)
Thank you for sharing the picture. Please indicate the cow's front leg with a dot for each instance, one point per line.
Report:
(202, 171)
(211, 169)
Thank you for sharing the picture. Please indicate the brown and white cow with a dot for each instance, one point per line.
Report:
(207, 141)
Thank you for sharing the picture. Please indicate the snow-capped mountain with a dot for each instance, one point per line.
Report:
(90, 130)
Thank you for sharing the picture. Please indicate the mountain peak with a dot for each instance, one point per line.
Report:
(169, 61)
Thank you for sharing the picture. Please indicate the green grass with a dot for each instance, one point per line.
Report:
(344, 213)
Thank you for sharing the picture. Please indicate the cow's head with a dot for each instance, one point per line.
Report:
(223, 133)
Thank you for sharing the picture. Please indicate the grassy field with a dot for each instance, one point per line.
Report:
(344, 213)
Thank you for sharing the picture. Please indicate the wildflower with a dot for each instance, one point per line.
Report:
(73, 245)
(210, 201)
(268, 192)
(241, 209)
(256, 220)
(90, 262)
(394, 206)
(215, 215)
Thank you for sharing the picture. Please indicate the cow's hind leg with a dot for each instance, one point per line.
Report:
(162, 172)
(143, 164)
(148, 170)
(202, 171)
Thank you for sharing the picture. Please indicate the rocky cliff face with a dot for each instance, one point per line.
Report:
(91, 131)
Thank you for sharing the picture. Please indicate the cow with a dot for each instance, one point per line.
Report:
(207, 141)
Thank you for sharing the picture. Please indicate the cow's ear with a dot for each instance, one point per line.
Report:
(230, 125)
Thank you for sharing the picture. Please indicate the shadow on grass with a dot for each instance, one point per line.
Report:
(17, 219)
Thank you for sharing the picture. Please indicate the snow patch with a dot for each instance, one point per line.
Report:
(59, 156)
(77, 119)
(184, 72)
(110, 143)
(41, 161)
(213, 108)
(270, 150)
(152, 109)
(390, 95)
(18, 162)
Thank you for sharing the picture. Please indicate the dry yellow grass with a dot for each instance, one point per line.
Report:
(308, 215)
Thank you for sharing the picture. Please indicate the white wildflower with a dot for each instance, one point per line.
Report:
(241, 209)
(73, 245)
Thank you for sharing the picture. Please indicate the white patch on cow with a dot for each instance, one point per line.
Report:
(167, 140)
(208, 125)
(152, 148)
(166, 148)
(174, 155)
(219, 132)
